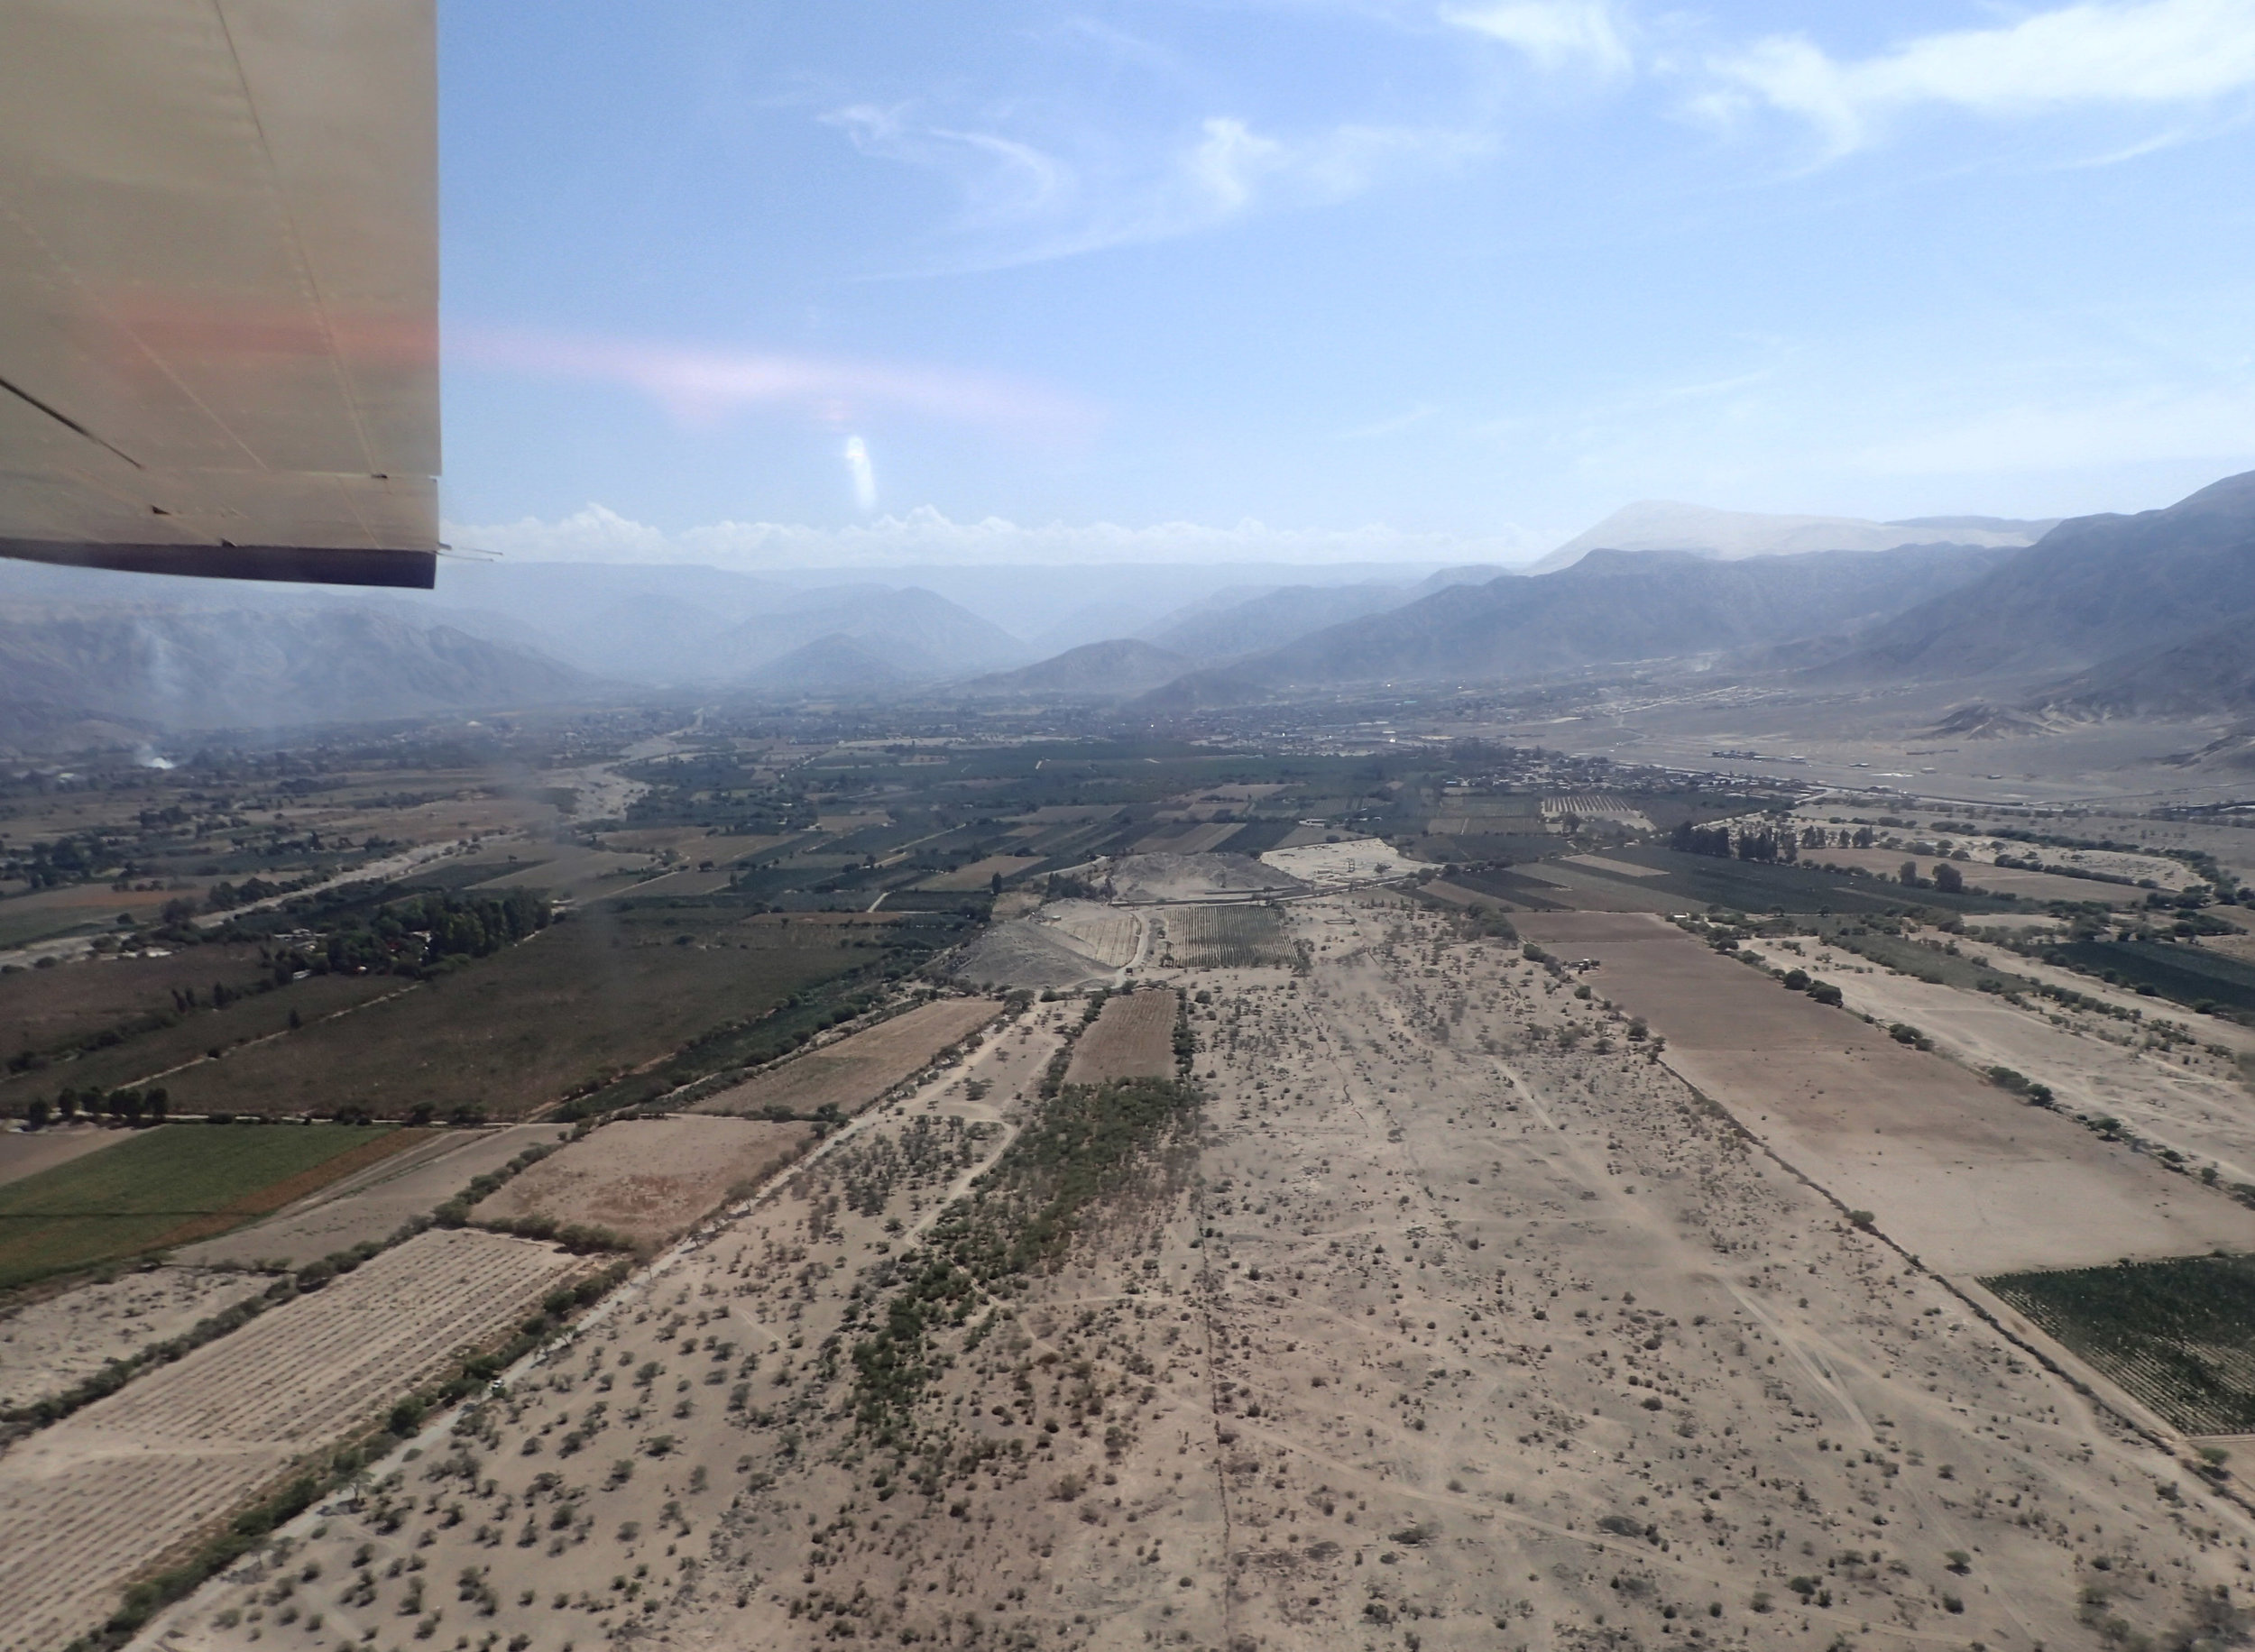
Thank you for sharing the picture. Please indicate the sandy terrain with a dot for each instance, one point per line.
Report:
(372, 1204)
(1357, 860)
(1960, 1173)
(1111, 937)
(1026, 952)
(1132, 1038)
(1453, 1340)
(27, 1152)
(53, 1344)
(86, 1503)
(856, 1071)
(1144, 879)
(646, 1180)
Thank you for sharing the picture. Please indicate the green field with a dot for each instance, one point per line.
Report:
(1754, 886)
(2185, 974)
(2178, 1336)
(164, 1186)
(618, 985)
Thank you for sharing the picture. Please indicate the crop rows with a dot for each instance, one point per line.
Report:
(2179, 1337)
(97, 1499)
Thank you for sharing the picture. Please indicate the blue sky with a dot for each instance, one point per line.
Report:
(1328, 279)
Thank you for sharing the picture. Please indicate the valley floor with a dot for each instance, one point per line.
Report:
(1436, 1333)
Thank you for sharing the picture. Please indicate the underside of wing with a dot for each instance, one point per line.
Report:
(219, 288)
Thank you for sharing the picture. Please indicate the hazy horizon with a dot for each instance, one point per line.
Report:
(1386, 281)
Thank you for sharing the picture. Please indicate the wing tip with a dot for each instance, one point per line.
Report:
(397, 570)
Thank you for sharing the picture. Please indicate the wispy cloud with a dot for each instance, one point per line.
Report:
(2146, 54)
(1060, 188)
(1557, 35)
(927, 537)
(699, 385)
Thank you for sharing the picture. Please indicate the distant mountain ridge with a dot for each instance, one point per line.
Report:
(1668, 524)
(1610, 606)
(267, 667)
(1095, 670)
(2108, 599)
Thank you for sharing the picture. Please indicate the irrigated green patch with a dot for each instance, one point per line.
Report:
(165, 1184)
(2178, 1336)
(1089, 1145)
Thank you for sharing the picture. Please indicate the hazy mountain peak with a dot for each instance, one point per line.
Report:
(1670, 524)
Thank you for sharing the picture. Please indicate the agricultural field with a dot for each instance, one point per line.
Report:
(87, 1504)
(648, 1180)
(1523, 1323)
(850, 1073)
(2179, 1337)
(1963, 1174)
(610, 989)
(54, 1343)
(1226, 937)
(981, 873)
(1132, 1037)
(373, 1203)
(171, 1186)
(2188, 975)
(27, 1152)
(166, 1043)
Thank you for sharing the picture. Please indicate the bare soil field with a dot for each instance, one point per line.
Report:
(52, 1344)
(607, 990)
(1026, 953)
(27, 1152)
(1449, 1339)
(371, 1204)
(646, 1180)
(95, 1498)
(1132, 1038)
(1110, 937)
(2175, 1095)
(1197, 837)
(981, 874)
(857, 1069)
(1959, 1172)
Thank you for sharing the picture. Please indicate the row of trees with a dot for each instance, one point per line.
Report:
(130, 1105)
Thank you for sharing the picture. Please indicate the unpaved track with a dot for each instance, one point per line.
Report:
(1448, 1332)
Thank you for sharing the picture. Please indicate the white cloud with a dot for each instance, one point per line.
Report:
(2149, 53)
(1555, 33)
(1061, 190)
(925, 536)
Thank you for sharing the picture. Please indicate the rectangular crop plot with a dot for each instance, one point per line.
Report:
(2178, 1336)
(856, 1071)
(171, 1185)
(1132, 1038)
(91, 1503)
(616, 986)
(2187, 973)
(1227, 937)
(646, 1180)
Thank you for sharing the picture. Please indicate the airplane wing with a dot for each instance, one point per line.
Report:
(219, 288)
